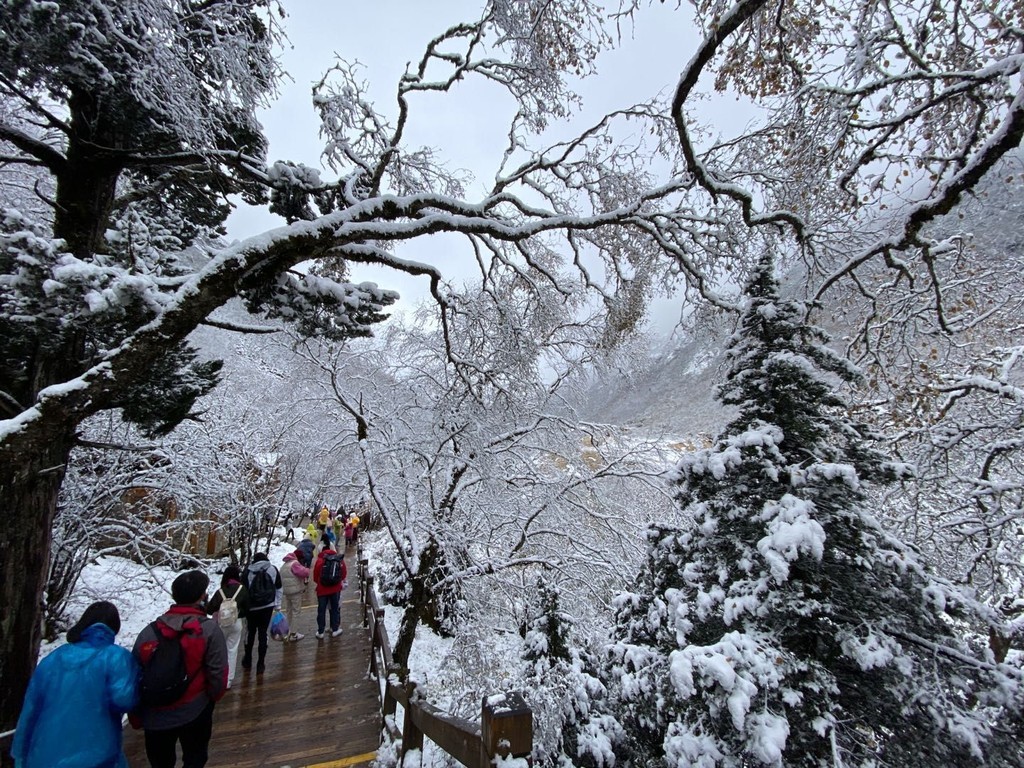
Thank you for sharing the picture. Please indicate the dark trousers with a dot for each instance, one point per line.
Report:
(257, 622)
(194, 738)
(323, 602)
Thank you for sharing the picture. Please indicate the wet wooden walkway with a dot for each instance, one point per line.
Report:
(314, 707)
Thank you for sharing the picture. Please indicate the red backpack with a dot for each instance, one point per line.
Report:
(165, 674)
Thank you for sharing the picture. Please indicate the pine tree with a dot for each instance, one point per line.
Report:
(784, 626)
(573, 727)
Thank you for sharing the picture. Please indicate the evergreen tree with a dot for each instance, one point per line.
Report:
(784, 627)
(572, 725)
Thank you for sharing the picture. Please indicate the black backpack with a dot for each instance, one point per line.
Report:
(165, 676)
(262, 590)
(330, 571)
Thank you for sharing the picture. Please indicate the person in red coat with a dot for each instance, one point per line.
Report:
(328, 595)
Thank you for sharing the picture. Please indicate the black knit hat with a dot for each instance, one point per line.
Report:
(231, 573)
(189, 587)
(97, 613)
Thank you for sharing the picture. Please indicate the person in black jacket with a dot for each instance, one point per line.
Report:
(263, 582)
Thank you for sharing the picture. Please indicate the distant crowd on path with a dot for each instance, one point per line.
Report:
(182, 663)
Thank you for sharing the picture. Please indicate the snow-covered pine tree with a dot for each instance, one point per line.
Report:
(784, 626)
(571, 724)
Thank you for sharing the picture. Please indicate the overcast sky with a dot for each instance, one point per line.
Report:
(470, 125)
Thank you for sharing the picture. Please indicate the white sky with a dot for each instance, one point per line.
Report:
(470, 125)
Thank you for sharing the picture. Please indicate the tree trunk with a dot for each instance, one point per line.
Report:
(422, 602)
(406, 635)
(28, 490)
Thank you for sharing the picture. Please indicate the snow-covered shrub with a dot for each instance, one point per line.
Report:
(572, 726)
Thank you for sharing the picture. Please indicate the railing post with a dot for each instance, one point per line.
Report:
(412, 737)
(506, 728)
(375, 644)
(390, 703)
(367, 585)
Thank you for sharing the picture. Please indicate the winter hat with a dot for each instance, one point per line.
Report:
(189, 587)
(260, 556)
(231, 573)
(97, 613)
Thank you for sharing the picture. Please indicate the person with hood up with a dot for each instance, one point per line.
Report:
(77, 695)
(229, 606)
(304, 551)
(189, 718)
(294, 577)
(263, 582)
(338, 525)
(312, 532)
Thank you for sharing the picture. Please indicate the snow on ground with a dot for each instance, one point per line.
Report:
(140, 592)
(440, 666)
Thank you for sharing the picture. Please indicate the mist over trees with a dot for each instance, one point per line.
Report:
(129, 129)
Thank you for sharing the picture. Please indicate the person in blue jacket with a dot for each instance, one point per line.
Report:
(71, 717)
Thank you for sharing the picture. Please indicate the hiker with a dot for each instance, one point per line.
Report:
(354, 519)
(329, 575)
(263, 581)
(304, 551)
(348, 530)
(73, 706)
(184, 663)
(324, 518)
(294, 577)
(228, 606)
(339, 524)
(312, 531)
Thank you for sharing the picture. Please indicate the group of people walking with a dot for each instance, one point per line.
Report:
(181, 664)
(329, 525)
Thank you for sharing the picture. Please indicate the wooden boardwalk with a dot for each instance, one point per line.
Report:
(314, 707)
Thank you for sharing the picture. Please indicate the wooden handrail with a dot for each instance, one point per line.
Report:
(506, 722)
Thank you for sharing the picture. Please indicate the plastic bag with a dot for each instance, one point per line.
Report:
(279, 626)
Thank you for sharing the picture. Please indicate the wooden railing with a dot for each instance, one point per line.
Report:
(506, 722)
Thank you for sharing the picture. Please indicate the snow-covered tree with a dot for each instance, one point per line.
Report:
(942, 362)
(784, 626)
(139, 117)
(569, 702)
(482, 470)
